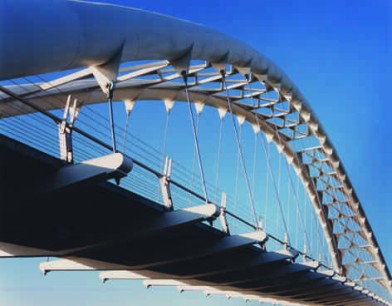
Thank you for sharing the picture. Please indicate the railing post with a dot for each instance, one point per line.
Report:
(286, 241)
(222, 216)
(65, 130)
(305, 252)
(164, 181)
(260, 228)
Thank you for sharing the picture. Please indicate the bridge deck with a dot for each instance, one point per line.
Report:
(111, 228)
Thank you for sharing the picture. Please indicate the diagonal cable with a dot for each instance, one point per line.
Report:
(239, 148)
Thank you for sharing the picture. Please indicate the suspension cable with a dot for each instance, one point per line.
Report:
(291, 182)
(288, 204)
(185, 78)
(268, 148)
(165, 140)
(125, 131)
(237, 168)
(267, 191)
(279, 177)
(218, 159)
(270, 171)
(254, 163)
(239, 148)
(111, 115)
(296, 200)
(311, 221)
(194, 159)
(296, 219)
(319, 240)
(304, 225)
(90, 118)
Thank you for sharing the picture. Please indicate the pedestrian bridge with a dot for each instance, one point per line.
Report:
(261, 208)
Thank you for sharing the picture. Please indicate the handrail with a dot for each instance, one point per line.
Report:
(149, 169)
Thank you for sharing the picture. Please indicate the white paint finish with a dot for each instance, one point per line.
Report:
(184, 216)
(74, 34)
(126, 275)
(12, 250)
(163, 282)
(63, 265)
(71, 34)
(101, 168)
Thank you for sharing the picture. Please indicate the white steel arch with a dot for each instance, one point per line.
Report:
(72, 34)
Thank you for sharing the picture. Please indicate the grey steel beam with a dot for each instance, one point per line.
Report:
(99, 169)
(363, 302)
(300, 279)
(120, 275)
(275, 273)
(261, 260)
(146, 28)
(76, 264)
(303, 288)
(314, 289)
(205, 229)
(306, 287)
(225, 244)
(8, 250)
(329, 294)
(293, 288)
(343, 298)
(166, 221)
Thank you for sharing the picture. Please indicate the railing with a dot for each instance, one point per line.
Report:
(144, 178)
(35, 130)
(186, 190)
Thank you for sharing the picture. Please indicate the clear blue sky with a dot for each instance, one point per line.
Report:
(339, 54)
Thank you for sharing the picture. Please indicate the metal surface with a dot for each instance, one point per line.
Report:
(76, 34)
(146, 238)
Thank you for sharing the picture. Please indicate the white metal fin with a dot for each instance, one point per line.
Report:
(169, 105)
(240, 119)
(182, 63)
(129, 105)
(256, 128)
(199, 107)
(107, 73)
(222, 112)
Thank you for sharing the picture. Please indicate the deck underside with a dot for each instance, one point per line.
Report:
(110, 228)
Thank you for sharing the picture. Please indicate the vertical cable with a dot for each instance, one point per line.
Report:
(237, 168)
(125, 132)
(111, 116)
(254, 163)
(267, 188)
(185, 78)
(271, 172)
(218, 160)
(239, 148)
(296, 219)
(194, 160)
(288, 202)
(276, 189)
(165, 140)
(279, 177)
